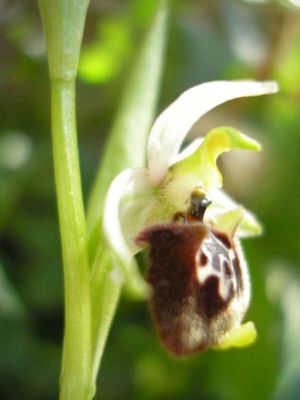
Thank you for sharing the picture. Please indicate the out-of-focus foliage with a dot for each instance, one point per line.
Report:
(104, 58)
(219, 39)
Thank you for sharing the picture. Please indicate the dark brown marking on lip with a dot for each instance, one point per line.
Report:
(237, 270)
(203, 259)
(227, 269)
(223, 238)
(209, 301)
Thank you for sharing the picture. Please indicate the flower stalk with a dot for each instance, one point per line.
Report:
(75, 373)
(63, 22)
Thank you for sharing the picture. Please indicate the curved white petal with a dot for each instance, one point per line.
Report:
(173, 124)
(128, 199)
(222, 202)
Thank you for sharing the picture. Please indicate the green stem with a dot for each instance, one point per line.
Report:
(104, 304)
(76, 364)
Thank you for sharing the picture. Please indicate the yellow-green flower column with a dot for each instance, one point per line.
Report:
(63, 22)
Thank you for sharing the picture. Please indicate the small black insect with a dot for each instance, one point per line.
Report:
(198, 205)
(199, 279)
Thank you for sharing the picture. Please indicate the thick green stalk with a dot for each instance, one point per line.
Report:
(63, 22)
(76, 363)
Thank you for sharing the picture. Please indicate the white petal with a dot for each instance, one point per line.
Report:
(222, 202)
(173, 124)
(128, 199)
(128, 195)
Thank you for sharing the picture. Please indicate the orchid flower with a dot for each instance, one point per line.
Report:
(199, 281)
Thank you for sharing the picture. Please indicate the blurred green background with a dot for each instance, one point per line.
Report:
(208, 40)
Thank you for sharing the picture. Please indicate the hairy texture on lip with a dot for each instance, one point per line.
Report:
(196, 283)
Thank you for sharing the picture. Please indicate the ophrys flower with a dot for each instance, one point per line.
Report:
(198, 276)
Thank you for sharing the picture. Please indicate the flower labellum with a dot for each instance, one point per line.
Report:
(198, 282)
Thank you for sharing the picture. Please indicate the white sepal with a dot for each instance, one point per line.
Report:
(129, 195)
(173, 124)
